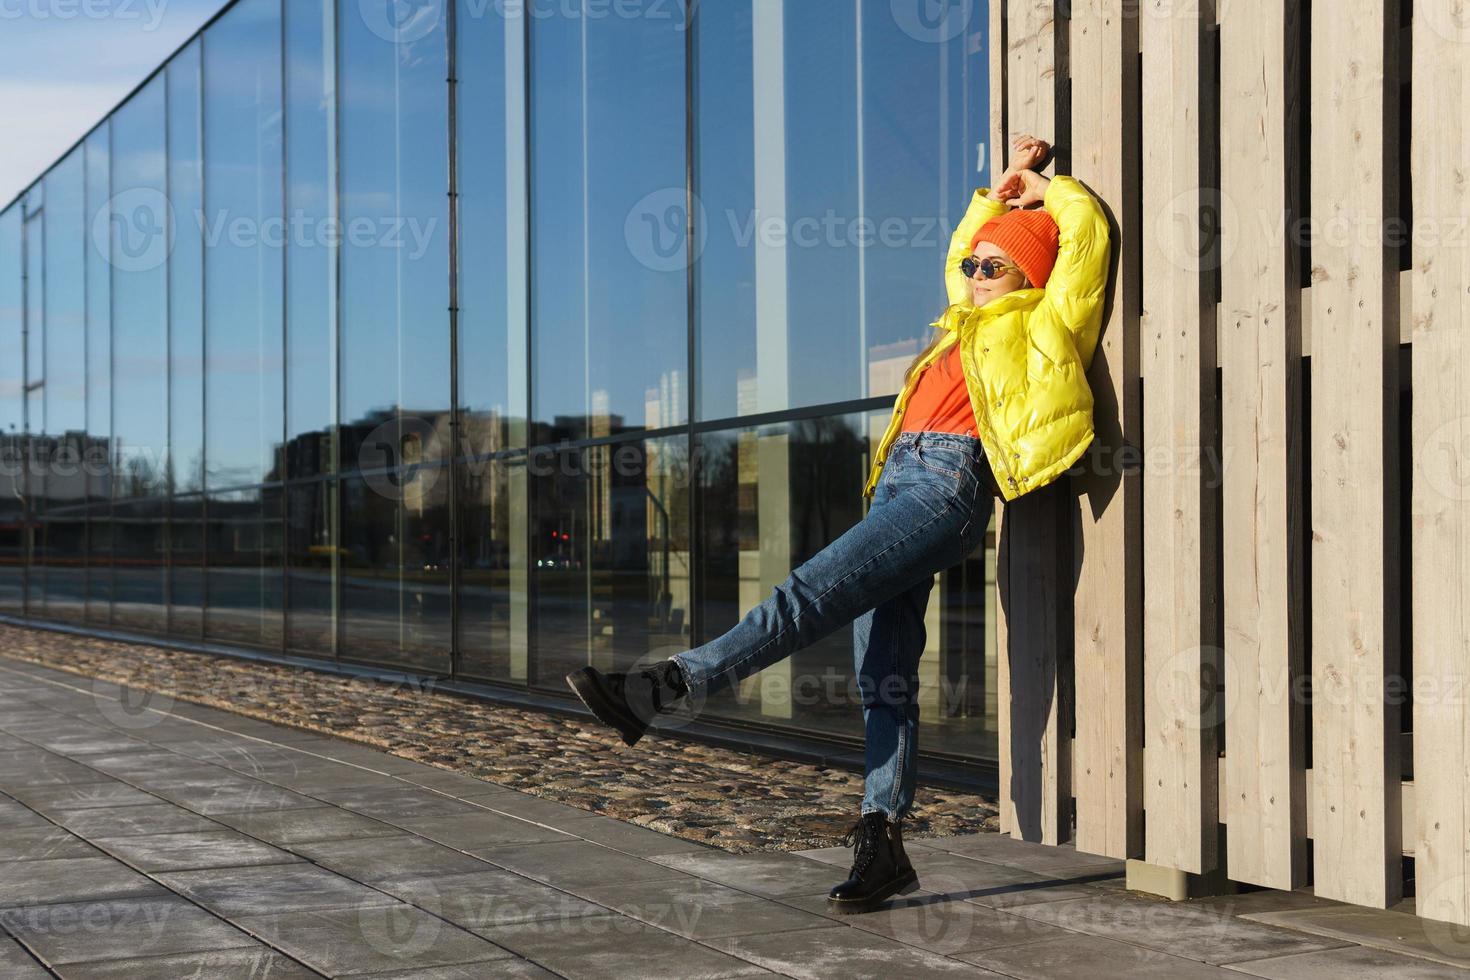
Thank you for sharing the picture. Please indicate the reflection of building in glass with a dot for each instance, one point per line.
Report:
(337, 405)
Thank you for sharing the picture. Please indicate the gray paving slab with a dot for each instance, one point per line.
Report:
(611, 947)
(381, 858)
(456, 784)
(17, 964)
(191, 850)
(761, 874)
(574, 863)
(397, 804)
(479, 829)
(1026, 855)
(123, 821)
(946, 925)
(59, 880)
(119, 929)
(1395, 932)
(1180, 928)
(487, 899)
(529, 807)
(1349, 963)
(258, 962)
(112, 793)
(261, 890)
(700, 909)
(819, 954)
(633, 839)
(370, 939)
(42, 841)
(1074, 956)
(234, 798)
(514, 969)
(319, 823)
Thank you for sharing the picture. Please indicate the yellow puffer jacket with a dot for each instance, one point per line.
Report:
(1025, 354)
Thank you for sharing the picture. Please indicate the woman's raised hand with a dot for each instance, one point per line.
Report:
(1026, 152)
(1032, 190)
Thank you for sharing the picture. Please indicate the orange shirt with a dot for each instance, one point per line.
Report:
(939, 401)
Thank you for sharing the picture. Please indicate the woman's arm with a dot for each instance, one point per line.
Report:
(987, 202)
(1078, 284)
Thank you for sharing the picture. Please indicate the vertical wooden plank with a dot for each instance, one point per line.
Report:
(1181, 778)
(1108, 632)
(1035, 786)
(1260, 355)
(1441, 483)
(1354, 422)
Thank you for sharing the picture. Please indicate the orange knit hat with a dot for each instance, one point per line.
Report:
(1029, 236)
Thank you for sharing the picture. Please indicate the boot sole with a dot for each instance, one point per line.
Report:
(582, 685)
(906, 885)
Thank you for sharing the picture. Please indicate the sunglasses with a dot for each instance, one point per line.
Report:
(988, 268)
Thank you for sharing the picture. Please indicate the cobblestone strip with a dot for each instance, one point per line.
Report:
(731, 800)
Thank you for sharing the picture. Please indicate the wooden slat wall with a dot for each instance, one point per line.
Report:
(1260, 362)
(1178, 361)
(1441, 482)
(1354, 483)
(1032, 577)
(1107, 760)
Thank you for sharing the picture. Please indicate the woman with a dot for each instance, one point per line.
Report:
(998, 402)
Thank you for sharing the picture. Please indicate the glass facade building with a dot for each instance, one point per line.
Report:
(489, 338)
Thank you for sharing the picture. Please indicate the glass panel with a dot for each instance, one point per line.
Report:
(609, 286)
(99, 563)
(492, 230)
(775, 495)
(312, 558)
(99, 374)
(610, 555)
(244, 575)
(65, 531)
(493, 575)
(38, 448)
(395, 258)
(843, 156)
(186, 567)
(395, 575)
(311, 254)
(243, 238)
(186, 275)
(12, 415)
(140, 570)
(140, 220)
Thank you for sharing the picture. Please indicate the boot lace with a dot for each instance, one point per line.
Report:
(863, 837)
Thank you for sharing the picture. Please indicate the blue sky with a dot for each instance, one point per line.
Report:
(64, 64)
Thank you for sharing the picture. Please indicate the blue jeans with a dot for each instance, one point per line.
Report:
(929, 511)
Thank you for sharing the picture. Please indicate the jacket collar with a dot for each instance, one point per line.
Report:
(1016, 299)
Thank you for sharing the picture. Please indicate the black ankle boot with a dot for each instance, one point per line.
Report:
(880, 868)
(628, 702)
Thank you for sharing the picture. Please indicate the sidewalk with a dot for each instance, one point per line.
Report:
(137, 842)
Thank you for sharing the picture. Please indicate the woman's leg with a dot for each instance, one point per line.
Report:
(887, 643)
(906, 536)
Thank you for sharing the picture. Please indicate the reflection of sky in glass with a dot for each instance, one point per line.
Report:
(243, 274)
(395, 280)
(484, 251)
(99, 288)
(611, 322)
(12, 382)
(139, 294)
(311, 285)
(880, 145)
(186, 275)
(65, 301)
